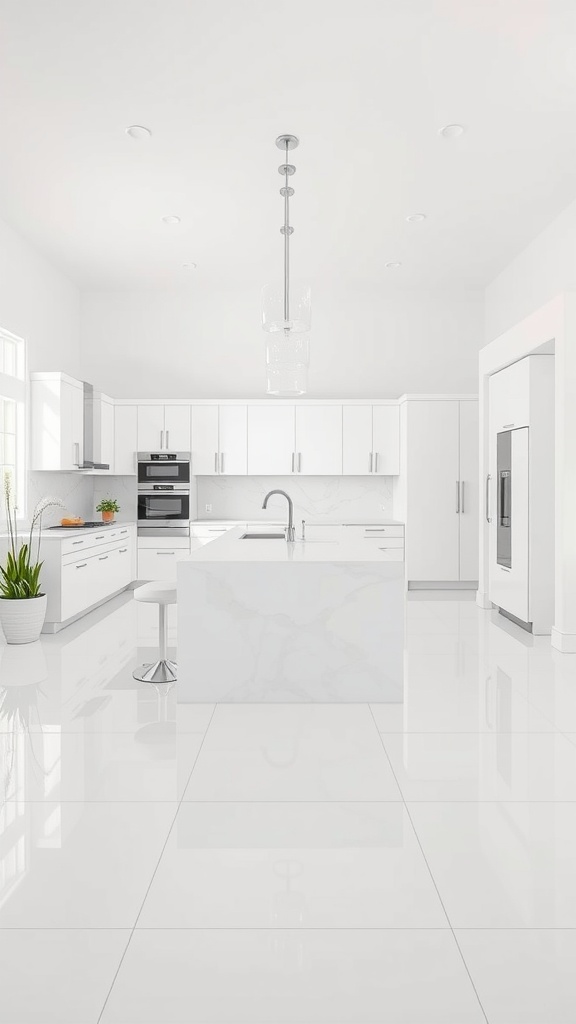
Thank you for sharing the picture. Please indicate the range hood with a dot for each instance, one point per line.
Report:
(92, 429)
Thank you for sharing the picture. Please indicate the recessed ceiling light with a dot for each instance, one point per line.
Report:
(393, 265)
(137, 131)
(416, 218)
(171, 219)
(189, 266)
(451, 131)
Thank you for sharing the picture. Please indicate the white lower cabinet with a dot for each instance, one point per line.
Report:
(159, 556)
(83, 570)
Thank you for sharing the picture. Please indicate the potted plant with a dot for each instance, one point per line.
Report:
(22, 603)
(108, 507)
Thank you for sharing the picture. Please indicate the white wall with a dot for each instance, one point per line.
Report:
(200, 343)
(544, 269)
(39, 304)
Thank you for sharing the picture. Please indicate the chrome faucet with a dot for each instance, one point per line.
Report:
(290, 532)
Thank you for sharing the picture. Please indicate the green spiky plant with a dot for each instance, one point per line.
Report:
(20, 576)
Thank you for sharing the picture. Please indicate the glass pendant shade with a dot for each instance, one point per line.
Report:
(300, 314)
(287, 359)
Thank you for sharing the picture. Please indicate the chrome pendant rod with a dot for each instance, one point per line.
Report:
(286, 242)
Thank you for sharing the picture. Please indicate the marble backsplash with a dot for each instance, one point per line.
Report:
(314, 497)
(75, 490)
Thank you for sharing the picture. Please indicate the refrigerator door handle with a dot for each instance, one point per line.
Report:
(487, 504)
(457, 497)
(462, 496)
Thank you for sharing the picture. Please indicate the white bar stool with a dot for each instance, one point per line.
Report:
(163, 670)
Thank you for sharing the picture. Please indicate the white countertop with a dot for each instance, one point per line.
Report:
(61, 532)
(230, 548)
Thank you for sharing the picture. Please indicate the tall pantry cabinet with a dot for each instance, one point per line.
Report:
(437, 492)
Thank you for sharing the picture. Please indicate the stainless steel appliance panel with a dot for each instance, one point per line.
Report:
(171, 467)
(504, 499)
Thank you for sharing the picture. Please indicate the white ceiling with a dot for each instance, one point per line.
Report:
(365, 84)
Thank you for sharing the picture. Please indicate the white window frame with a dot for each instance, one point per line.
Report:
(14, 388)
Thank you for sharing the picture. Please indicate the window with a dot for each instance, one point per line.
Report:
(13, 415)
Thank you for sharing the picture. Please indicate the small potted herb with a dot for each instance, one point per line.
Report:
(22, 603)
(108, 507)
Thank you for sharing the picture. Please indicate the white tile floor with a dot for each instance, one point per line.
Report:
(291, 864)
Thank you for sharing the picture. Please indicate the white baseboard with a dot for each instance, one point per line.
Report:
(564, 642)
(442, 585)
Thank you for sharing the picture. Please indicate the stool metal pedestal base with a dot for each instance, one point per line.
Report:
(163, 671)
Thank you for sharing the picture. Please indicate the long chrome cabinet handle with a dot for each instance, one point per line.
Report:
(168, 439)
(462, 496)
(457, 497)
(215, 462)
(371, 470)
(293, 458)
(161, 439)
(487, 505)
(165, 552)
(376, 454)
(299, 462)
(76, 456)
(221, 462)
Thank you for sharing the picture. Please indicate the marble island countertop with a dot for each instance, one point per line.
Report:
(230, 547)
(310, 521)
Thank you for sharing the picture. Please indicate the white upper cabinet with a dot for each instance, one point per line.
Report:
(125, 439)
(57, 422)
(318, 445)
(386, 439)
(371, 440)
(271, 440)
(150, 428)
(358, 450)
(205, 451)
(177, 428)
(510, 397)
(233, 440)
(164, 428)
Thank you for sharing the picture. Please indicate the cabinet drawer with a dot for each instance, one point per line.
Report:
(374, 531)
(385, 542)
(86, 581)
(94, 551)
(159, 563)
(170, 543)
(94, 539)
(392, 554)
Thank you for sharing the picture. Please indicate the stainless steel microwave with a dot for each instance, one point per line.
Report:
(163, 467)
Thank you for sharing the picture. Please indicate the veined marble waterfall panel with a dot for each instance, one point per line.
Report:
(321, 632)
(318, 497)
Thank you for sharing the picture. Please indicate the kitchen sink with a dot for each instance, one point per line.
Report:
(263, 536)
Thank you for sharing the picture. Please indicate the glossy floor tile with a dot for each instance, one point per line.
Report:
(303, 864)
(501, 766)
(288, 977)
(149, 764)
(79, 865)
(502, 865)
(292, 865)
(300, 752)
(57, 977)
(525, 976)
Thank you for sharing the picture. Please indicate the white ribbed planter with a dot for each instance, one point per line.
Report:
(22, 620)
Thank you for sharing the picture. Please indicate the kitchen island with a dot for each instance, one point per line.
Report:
(263, 620)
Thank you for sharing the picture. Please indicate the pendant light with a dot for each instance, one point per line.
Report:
(286, 308)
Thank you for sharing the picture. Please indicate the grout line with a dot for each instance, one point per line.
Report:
(432, 876)
(154, 872)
